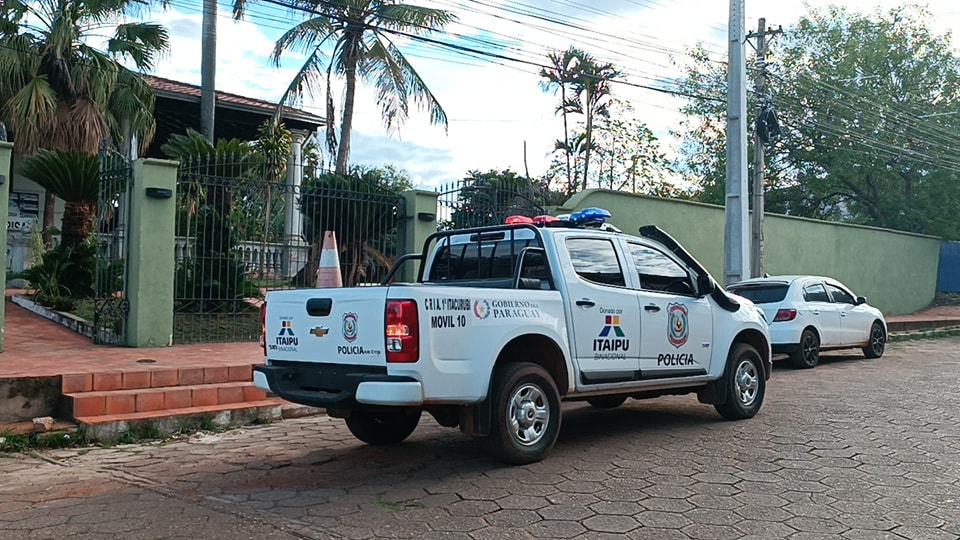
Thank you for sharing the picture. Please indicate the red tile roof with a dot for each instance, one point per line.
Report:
(188, 92)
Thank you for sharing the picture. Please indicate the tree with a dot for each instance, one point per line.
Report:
(584, 85)
(868, 123)
(74, 177)
(560, 76)
(358, 34)
(487, 198)
(59, 92)
(363, 208)
(627, 153)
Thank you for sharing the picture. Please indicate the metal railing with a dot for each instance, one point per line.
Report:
(243, 229)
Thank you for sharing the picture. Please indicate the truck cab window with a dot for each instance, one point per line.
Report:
(657, 272)
(595, 259)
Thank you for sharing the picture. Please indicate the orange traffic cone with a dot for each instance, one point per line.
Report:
(328, 270)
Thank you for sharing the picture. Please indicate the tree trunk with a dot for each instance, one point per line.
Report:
(589, 136)
(77, 222)
(49, 209)
(350, 72)
(208, 69)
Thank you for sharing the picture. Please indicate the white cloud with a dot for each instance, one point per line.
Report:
(494, 109)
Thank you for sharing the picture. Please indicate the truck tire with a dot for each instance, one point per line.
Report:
(745, 382)
(526, 413)
(382, 427)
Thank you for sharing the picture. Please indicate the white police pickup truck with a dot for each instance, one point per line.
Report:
(505, 322)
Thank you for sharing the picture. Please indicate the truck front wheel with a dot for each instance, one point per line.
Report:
(744, 379)
(382, 427)
(526, 413)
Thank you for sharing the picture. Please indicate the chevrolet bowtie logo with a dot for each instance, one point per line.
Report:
(320, 331)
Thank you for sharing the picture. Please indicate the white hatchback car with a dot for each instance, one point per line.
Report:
(808, 314)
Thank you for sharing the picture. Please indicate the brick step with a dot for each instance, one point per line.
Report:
(171, 421)
(131, 379)
(164, 398)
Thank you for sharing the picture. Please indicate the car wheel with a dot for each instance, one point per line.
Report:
(526, 413)
(611, 402)
(877, 343)
(382, 427)
(808, 352)
(745, 383)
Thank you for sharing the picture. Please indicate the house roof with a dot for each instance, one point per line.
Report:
(171, 89)
(177, 109)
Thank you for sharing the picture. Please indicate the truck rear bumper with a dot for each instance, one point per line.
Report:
(390, 393)
(340, 386)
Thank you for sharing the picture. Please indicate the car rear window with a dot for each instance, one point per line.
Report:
(762, 294)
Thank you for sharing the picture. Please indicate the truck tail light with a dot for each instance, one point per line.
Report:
(402, 331)
(785, 315)
(263, 327)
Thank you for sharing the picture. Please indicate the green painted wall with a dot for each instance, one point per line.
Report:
(896, 271)
(6, 156)
(151, 261)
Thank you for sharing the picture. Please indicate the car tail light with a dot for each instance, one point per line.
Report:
(785, 315)
(402, 331)
(263, 327)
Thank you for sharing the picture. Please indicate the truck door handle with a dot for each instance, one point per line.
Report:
(653, 308)
(585, 303)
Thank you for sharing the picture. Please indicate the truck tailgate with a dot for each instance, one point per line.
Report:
(327, 325)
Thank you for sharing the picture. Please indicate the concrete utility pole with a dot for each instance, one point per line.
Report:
(735, 238)
(756, 223)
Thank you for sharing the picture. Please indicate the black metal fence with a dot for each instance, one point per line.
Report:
(111, 305)
(478, 202)
(243, 228)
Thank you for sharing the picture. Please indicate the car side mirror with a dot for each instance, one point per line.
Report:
(861, 300)
(705, 285)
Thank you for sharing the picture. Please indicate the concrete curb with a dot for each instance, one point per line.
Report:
(68, 320)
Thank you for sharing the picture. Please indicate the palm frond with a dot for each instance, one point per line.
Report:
(397, 83)
(72, 176)
(140, 42)
(29, 110)
(305, 82)
(307, 38)
(411, 18)
(78, 126)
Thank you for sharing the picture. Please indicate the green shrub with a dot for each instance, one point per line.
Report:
(64, 275)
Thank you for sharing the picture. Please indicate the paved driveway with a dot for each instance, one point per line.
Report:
(852, 449)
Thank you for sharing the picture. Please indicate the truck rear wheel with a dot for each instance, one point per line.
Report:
(526, 413)
(383, 427)
(745, 383)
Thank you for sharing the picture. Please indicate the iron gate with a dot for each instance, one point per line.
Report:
(111, 305)
(479, 202)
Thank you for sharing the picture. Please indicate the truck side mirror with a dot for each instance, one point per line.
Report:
(705, 285)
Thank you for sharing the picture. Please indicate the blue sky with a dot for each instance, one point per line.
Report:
(494, 108)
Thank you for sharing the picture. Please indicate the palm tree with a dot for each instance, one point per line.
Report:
(60, 92)
(559, 76)
(592, 85)
(74, 177)
(358, 34)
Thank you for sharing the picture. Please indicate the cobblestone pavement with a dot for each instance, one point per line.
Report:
(852, 449)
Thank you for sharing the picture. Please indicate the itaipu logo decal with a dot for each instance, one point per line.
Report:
(677, 330)
(350, 327)
(611, 324)
(286, 328)
(481, 308)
